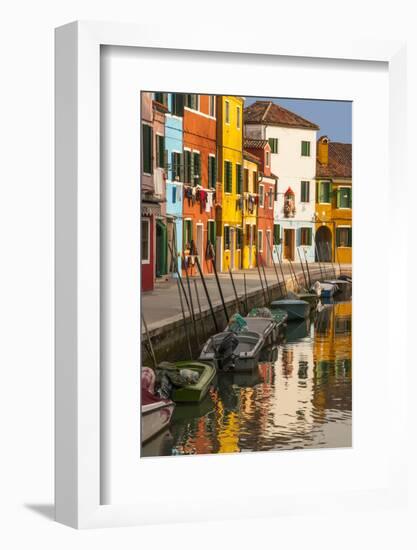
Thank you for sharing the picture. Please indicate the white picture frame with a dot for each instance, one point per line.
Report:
(77, 241)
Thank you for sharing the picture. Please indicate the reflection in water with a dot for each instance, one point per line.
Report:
(300, 397)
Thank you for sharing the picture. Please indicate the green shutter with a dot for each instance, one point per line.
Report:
(147, 148)
(276, 233)
(337, 236)
(338, 197)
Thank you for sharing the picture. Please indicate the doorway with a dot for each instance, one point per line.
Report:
(323, 244)
(289, 240)
(161, 249)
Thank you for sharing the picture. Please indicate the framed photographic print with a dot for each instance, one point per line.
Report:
(219, 225)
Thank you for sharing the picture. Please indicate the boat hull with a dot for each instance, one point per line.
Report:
(296, 309)
(193, 393)
(243, 359)
(156, 418)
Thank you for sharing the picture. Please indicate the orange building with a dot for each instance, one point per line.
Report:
(200, 177)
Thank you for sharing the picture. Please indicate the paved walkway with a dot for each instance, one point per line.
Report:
(162, 305)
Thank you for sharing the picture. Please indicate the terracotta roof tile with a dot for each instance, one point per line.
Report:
(249, 156)
(270, 113)
(340, 161)
(254, 143)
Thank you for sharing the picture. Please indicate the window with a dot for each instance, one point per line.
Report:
(305, 191)
(277, 233)
(344, 236)
(270, 199)
(212, 171)
(324, 192)
(255, 182)
(267, 158)
(145, 241)
(174, 194)
(161, 98)
(226, 237)
(160, 151)
(227, 112)
(238, 238)
(306, 236)
(305, 148)
(178, 104)
(239, 182)
(260, 241)
(191, 101)
(273, 143)
(212, 105)
(187, 166)
(211, 232)
(246, 180)
(197, 168)
(344, 197)
(147, 149)
(261, 196)
(227, 176)
(238, 118)
(176, 166)
(188, 232)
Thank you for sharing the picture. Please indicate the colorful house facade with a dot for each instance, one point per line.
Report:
(251, 165)
(152, 187)
(266, 188)
(334, 201)
(293, 159)
(199, 186)
(229, 251)
(159, 109)
(175, 178)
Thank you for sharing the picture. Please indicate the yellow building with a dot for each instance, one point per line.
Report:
(334, 201)
(230, 164)
(250, 209)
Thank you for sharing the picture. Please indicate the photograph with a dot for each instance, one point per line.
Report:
(246, 273)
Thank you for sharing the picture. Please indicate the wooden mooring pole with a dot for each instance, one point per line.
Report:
(234, 291)
(151, 350)
(220, 289)
(203, 280)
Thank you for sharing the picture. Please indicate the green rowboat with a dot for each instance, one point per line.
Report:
(191, 393)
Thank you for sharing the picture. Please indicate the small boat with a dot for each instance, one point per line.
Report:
(311, 297)
(328, 290)
(156, 411)
(192, 391)
(156, 414)
(279, 315)
(296, 309)
(233, 352)
(266, 327)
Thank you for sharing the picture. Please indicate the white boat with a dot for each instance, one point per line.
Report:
(156, 412)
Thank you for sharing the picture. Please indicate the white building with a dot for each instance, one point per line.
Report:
(293, 160)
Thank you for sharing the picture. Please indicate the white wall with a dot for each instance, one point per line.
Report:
(291, 168)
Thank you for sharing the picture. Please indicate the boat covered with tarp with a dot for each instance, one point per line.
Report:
(184, 381)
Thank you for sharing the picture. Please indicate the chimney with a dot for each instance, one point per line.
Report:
(323, 150)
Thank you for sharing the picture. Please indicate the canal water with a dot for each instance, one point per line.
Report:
(299, 397)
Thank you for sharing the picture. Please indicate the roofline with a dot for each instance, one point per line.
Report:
(260, 123)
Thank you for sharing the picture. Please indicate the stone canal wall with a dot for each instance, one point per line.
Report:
(169, 339)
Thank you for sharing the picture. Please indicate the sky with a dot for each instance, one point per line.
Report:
(333, 117)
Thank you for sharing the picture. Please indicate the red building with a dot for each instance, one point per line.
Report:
(200, 175)
(267, 189)
(152, 183)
